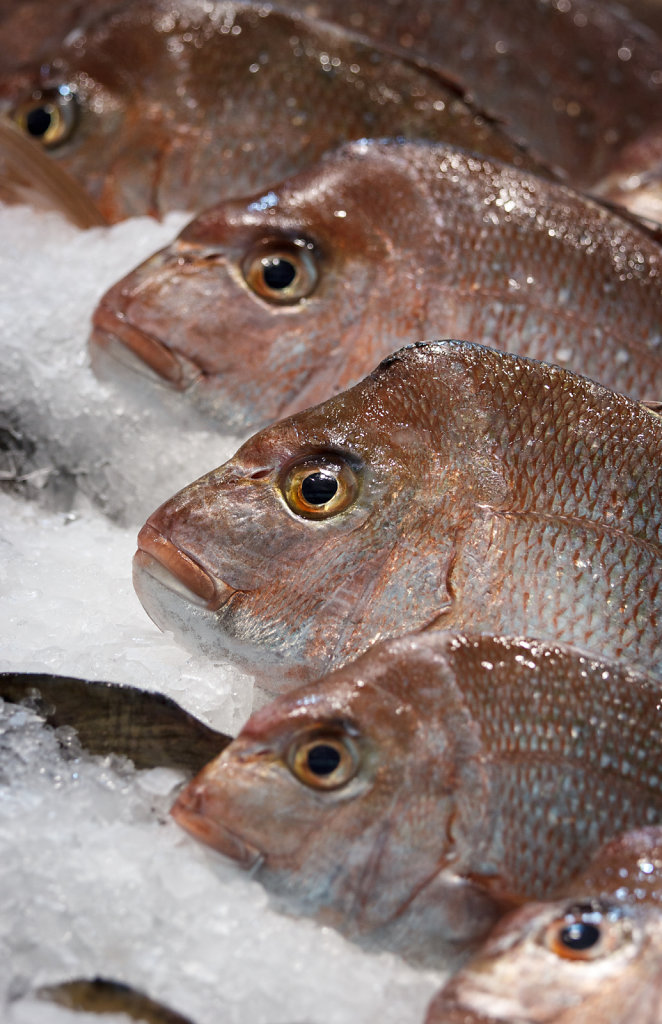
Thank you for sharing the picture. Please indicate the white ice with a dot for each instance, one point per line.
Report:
(94, 876)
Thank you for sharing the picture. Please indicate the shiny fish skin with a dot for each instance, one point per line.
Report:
(521, 978)
(471, 249)
(179, 107)
(475, 773)
(494, 493)
(577, 80)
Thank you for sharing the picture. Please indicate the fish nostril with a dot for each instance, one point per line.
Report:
(109, 330)
(186, 570)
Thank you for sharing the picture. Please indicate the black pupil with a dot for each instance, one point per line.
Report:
(318, 488)
(323, 759)
(278, 273)
(580, 935)
(38, 121)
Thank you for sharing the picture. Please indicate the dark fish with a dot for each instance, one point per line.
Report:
(594, 955)
(577, 79)
(411, 796)
(153, 108)
(456, 487)
(266, 305)
(103, 996)
(149, 728)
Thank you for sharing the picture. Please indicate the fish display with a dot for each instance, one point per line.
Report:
(579, 80)
(456, 487)
(153, 107)
(409, 797)
(266, 305)
(149, 728)
(594, 955)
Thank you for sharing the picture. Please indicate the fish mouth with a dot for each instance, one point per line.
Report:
(116, 337)
(192, 812)
(178, 571)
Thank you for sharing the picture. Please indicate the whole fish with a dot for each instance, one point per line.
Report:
(266, 305)
(577, 79)
(594, 955)
(154, 107)
(456, 487)
(409, 797)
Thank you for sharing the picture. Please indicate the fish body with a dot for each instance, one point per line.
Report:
(456, 487)
(412, 795)
(153, 108)
(578, 81)
(471, 249)
(594, 954)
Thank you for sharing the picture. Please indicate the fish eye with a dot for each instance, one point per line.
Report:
(323, 760)
(49, 116)
(282, 272)
(319, 488)
(587, 931)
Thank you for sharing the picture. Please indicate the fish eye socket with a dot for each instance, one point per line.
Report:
(324, 760)
(585, 932)
(320, 488)
(49, 118)
(281, 273)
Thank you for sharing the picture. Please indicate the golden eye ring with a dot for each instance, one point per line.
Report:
(323, 761)
(49, 117)
(586, 931)
(282, 272)
(319, 488)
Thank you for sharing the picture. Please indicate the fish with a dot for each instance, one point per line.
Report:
(28, 176)
(594, 954)
(149, 728)
(152, 107)
(578, 81)
(411, 797)
(455, 487)
(103, 996)
(266, 305)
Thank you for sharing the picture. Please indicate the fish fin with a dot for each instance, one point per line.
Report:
(654, 407)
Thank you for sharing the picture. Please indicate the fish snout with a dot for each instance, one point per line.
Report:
(160, 558)
(115, 337)
(198, 810)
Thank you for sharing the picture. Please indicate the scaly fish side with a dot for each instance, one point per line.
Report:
(266, 305)
(410, 797)
(153, 108)
(593, 955)
(455, 487)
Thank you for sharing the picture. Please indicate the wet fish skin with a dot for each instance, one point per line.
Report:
(473, 773)
(492, 493)
(578, 81)
(471, 249)
(169, 103)
(526, 973)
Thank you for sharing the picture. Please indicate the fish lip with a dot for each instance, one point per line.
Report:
(188, 812)
(179, 571)
(118, 336)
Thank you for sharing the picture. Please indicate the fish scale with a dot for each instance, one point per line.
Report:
(547, 273)
(474, 773)
(494, 493)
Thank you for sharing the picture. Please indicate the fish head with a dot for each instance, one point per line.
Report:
(269, 304)
(329, 530)
(345, 799)
(571, 961)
